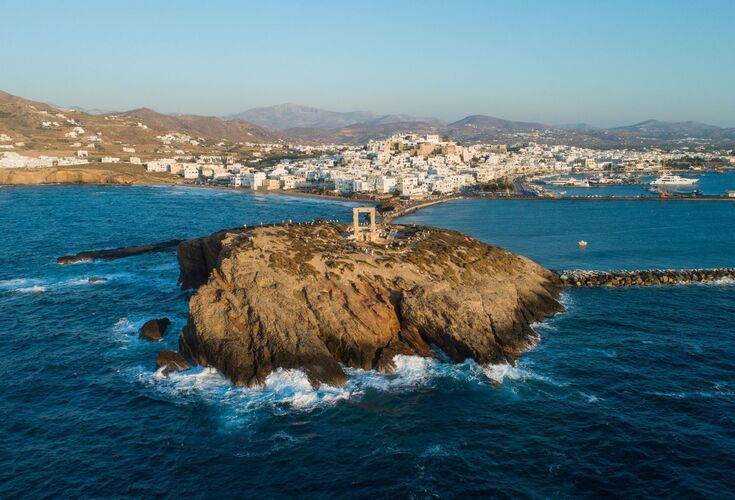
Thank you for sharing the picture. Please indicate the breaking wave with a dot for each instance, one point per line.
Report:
(287, 390)
(36, 289)
(38, 285)
(725, 281)
(16, 284)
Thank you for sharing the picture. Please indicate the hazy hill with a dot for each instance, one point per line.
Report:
(206, 126)
(23, 121)
(576, 126)
(44, 129)
(484, 122)
(294, 116)
(694, 129)
(361, 133)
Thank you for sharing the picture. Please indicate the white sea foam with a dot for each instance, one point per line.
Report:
(694, 394)
(288, 390)
(36, 289)
(725, 281)
(505, 372)
(37, 285)
(590, 398)
(500, 372)
(16, 284)
(282, 388)
(124, 325)
(79, 261)
(566, 299)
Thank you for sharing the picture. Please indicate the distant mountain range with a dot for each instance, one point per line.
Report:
(287, 116)
(694, 129)
(316, 125)
(21, 119)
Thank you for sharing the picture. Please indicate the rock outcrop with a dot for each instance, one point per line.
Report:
(154, 329)
(199, 256)
(117, 253)
(171, 361)
(114, 174)
(304, 296)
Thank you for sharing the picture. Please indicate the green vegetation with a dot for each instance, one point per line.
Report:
(498, 185)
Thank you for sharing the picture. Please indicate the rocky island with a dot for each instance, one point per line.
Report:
(323, 295)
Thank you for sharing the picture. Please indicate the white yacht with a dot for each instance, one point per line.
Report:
(569, 182)
(673, 180)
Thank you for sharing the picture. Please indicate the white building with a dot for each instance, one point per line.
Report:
(255, 180)
(384, 185)
(191, 172)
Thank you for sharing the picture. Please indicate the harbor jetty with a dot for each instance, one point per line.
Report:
(400, 212)
(649, 277)
(117, 253)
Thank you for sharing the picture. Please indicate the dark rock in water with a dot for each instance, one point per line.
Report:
(117, 253)
(154, 329)
(305, 297)
(171, 361)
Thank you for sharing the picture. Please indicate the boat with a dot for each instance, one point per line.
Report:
(570, 182)
(615, 180)
(582, 243)
(673, 180)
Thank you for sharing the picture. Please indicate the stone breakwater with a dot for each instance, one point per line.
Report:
(583, 278)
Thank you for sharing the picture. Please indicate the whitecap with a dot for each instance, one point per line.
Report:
(694, 394)
(36, 289)
(72, 282)
(282, 387)
(35, 285)
(286, 390)
(289, 390)
(413, 372)
(725, 281)
(78, 261)
(590, 398)
(502, 372)
(124, 325)
(436, 450)
(15, 284)
(566, 300)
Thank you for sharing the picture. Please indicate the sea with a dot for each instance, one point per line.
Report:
(630, 392)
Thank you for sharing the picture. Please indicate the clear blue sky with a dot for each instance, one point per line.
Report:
(602, 62)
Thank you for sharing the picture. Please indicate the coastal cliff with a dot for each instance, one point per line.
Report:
(306, 296)
(124, 175)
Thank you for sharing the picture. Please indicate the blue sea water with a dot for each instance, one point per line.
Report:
(631, 392)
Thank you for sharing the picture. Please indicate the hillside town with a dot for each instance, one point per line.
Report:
(412, 166)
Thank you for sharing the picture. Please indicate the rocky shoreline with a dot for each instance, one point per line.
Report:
(105, 174)
(649, 277)
(312, 296)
